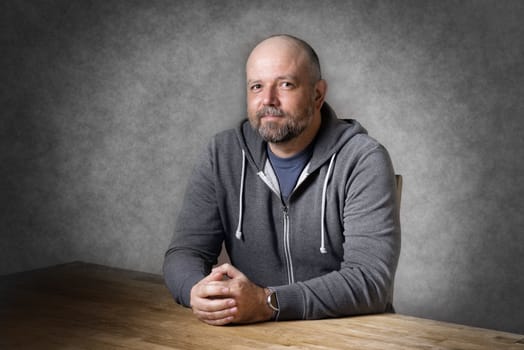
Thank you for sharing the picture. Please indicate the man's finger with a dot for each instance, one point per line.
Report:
(213, 305)
(219, 322)
(213, 276)
(228, 270)
(220, 317)
(212, 289)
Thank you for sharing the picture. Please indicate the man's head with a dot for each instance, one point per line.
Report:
(284, 90)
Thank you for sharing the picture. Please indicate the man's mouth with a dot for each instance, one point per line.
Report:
(271, 116)
(270, 112)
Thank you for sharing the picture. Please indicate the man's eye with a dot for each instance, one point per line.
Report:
(287, 84)
(255, 87)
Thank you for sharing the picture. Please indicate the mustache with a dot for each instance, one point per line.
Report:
(269, 110)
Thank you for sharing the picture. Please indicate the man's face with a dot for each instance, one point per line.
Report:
(280, 94)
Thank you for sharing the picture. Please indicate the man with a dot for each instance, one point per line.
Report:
(304, 202)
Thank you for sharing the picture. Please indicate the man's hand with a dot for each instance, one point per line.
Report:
(210, 300)
(226, 295)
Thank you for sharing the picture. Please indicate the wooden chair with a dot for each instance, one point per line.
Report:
(398, 181)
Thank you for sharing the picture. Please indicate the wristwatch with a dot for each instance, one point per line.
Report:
(272, 302)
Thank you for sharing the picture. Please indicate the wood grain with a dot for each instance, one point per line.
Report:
(86, 306)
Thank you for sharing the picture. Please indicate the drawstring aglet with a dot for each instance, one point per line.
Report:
(238, 234)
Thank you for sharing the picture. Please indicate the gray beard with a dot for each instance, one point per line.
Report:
(274, 133)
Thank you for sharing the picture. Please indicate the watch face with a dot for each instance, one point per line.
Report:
(273, 300)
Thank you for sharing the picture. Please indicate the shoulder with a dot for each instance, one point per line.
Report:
(224, 136)
(223, 141)
(233, 136)
(362, 145)
(223, 146)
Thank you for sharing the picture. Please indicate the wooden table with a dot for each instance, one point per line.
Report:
(86, 306)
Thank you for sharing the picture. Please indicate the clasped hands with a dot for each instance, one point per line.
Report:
(227, 296)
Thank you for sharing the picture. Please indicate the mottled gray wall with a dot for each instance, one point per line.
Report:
(106, 103)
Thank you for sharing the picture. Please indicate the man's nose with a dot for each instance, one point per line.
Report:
(270, 97)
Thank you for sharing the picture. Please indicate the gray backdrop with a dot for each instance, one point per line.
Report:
(106, 103)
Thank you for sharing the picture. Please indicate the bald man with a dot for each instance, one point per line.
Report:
(304, 202)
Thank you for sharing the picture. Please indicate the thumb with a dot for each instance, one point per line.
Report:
(228, 270)
(213, 276)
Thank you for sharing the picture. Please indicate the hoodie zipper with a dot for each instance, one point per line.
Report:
(287, 250)
(285, 212)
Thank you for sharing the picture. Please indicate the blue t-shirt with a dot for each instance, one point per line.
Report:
(288, 169)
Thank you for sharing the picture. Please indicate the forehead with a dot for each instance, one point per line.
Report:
(276, 57)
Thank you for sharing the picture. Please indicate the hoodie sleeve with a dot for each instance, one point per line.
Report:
(198, 233)
(364, 282)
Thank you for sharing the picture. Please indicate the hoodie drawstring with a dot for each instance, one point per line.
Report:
(323, 210)
(238, 233)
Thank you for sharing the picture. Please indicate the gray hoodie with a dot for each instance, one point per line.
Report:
(330, 251)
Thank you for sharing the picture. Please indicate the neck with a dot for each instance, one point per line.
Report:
(290, 148)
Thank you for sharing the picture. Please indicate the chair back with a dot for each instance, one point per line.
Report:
(398, 181)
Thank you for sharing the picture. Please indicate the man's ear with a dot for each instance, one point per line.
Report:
(320, 92)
